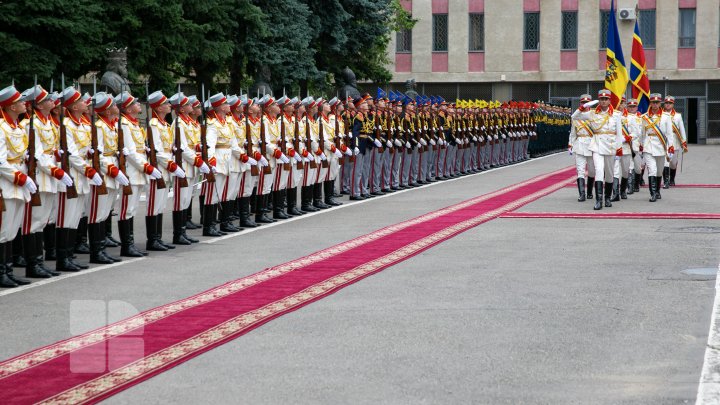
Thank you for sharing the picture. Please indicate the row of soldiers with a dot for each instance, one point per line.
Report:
(615, 147)
(68, 161)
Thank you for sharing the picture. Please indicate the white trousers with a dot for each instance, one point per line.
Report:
(11, 219)
(582, 163)
(622, 167)
(654, 164)
(603, 167)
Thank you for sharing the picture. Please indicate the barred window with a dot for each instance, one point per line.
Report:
(646, 21)
(532, 31)
(403, 41)
(569, 30)
(687, 28)
(604, 22)
(477, 32)
(440, 32)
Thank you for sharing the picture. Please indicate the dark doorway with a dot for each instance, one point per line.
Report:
(691, 116)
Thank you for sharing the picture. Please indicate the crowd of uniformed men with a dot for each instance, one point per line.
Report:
(613, 148)
(67, 161)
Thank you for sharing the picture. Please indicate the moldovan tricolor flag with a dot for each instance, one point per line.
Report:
(616, 77)
(638, 73)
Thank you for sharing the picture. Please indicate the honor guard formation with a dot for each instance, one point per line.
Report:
(69, 161)
(614, 148)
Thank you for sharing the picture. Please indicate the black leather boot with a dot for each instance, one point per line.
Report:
(672, 177)
(623, 188)
(636, 182)
(159, 230)
(109, 240)
(630, 182)
(151, 234)
(581, 189)
(5, 281)
(608, 193)
(127, 239)
(658, 187)
(9, 272)
(306, 196)
(32, 268)
(179, 228)
(292, 202)
(73, 236)
(49, 241)
(245, 218)
(201, 201)
(328, 187)
(226, 224)
(666, 177)
(615, 190)
(642, 177)
(96, 240)
(317, 197)
(278, 212)
(653, 188)
(260, 216)
(103, 236)
(18, 258)
(208, 217)
(598, 195)
(63, 249)
(38, 239)
(81, 244)
(188, 214)
(590, 185)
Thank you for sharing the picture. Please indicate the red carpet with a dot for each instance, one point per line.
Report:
(177, 332)
(613, 215)
(675, 186)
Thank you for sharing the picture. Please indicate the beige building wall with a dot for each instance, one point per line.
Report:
(504, 42)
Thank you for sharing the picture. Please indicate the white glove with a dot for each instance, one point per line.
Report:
(356, 151)
(348, 152)
(204, 169)
(126, 151)
(590, 104)
(284, 158)
(322, 156)
(377, 143)
(349, 135)
(458, 141)
(407, 145)
(338, 154)
(253, 162)
(120, 178)
(432, 142)
(441, 142)
(155, 174)
(389, 144)
(423, 142)
(474, 138)
(66, 180)
(570, 151)
(670, 155)
(60, 152)
(147, 149)
(398, 143)
(30, 185)
(91, 151)
(263, 161)
(425, 128)
(180, 173)
(96, 180)
(306, 160)
(297, 158)
(399, 129)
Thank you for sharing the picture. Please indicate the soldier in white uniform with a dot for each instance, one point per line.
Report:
(240, 124)
(656, 125)
(579, 144)
(294, 175)
(138, 170)
(633, 121)
(677, 140)
(193, 165)
(100, 205)
(624, 164)
(16, 186)
(606, 143)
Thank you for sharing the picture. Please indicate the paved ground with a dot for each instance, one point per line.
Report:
(541, 311)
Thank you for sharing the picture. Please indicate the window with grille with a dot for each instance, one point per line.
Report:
(403, 41)
(569, 30)
(604, 22)
(646, 22)
(532, 31)
(686, 32)
(440, 32)
(477, 32)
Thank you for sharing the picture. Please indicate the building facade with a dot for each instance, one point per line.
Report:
(554, 50)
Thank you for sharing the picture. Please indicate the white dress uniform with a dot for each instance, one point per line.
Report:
(101, 205)
(635, 128)
(190, 144)
(655, 128)
(272, 134)
(79, 145)
(579, 143)
(246, 180)
(607, 138)
(13, 176)
(46, 144)
(676, 137)
(221, 143)
(310, 173)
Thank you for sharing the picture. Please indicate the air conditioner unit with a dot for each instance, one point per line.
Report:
(627, 14)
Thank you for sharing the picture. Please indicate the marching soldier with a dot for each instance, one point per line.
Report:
(633, 121)
(606, 143)
(656, 124)
(137, 170)
(579, 143)
(677, 137)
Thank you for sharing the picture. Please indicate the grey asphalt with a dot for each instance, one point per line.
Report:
(512, 311)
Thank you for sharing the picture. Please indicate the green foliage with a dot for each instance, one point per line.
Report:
(299, 44)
